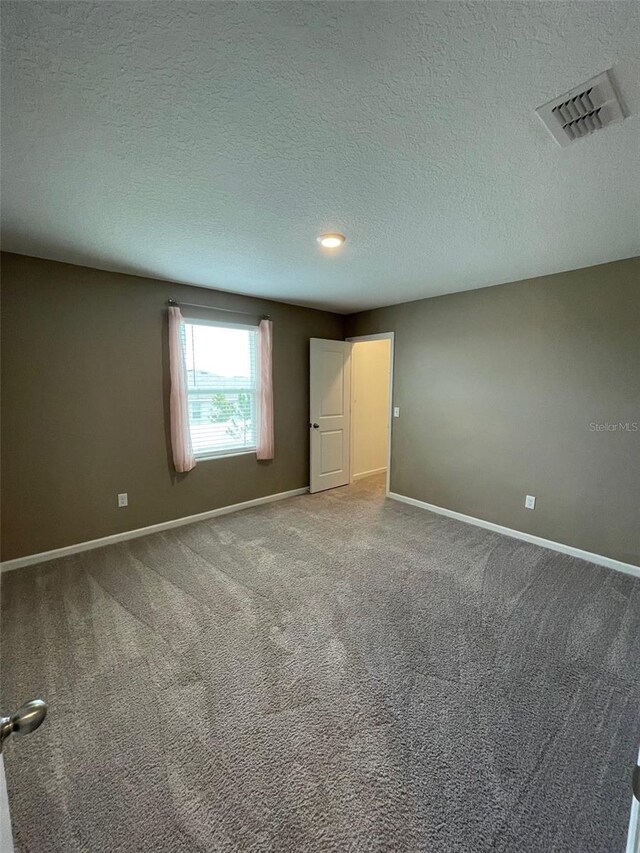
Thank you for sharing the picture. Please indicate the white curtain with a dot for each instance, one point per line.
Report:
(265, 448)
(183, 458)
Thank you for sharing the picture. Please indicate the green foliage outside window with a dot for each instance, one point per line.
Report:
(234, 411)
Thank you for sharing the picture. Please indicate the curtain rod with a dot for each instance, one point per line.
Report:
(176, 304)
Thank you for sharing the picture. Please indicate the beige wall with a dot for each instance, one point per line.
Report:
(370, 369)
(85, 398)
(501, 391)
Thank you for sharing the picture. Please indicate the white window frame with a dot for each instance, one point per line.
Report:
(230, 451)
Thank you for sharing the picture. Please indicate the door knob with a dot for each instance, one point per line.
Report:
(25, 720)
(315, 426)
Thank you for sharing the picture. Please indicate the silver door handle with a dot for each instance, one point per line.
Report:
(25, 720)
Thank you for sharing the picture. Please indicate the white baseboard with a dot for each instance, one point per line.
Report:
(364, 474)
(30, 559)
(598, 559)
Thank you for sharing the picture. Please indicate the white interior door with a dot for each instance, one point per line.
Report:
(633, 837)
(6, 841)
(330, 368)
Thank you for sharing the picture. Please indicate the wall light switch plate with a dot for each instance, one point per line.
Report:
(396, 411)
(123, 499)
(530, 502)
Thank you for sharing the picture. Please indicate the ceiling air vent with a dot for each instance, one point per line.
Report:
(583, 110)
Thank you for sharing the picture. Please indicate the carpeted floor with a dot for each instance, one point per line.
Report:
(336, 672)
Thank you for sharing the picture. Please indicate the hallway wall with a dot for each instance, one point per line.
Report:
(370, 374)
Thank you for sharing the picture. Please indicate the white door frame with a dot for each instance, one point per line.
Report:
(382, 336)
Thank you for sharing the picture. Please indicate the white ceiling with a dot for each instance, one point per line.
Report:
(211, 143)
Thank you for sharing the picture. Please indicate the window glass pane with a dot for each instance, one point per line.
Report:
(221, 381)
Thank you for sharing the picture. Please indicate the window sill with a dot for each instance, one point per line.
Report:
(207, 457)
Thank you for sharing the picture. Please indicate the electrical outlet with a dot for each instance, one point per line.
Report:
(123, 499)
(396, 411)
(530, 502)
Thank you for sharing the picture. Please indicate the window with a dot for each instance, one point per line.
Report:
(221, 387)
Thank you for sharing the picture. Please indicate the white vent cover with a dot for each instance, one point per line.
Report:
(580, 112)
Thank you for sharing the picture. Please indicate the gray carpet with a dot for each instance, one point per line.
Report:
(335, 672)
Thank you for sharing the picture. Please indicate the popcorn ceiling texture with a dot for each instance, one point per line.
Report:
(210, 143)
(338, 672)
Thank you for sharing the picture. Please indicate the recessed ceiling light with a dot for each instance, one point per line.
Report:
(331, 241)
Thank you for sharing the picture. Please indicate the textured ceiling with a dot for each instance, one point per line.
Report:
(211, 143)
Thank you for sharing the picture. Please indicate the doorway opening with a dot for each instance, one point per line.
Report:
(371, 400)
(351, 393)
